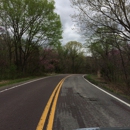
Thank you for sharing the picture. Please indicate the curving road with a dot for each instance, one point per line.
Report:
(82, 105)
(21, 107)
(78, 104)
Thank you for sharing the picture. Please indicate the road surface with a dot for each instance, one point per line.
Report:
(82, 105)
(60, 103)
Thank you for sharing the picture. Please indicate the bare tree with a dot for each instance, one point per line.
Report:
(113, 14)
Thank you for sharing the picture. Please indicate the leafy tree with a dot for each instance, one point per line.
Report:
(74, 51)
(100, 53)
(112, 16)
(30, 23)
(110, 56)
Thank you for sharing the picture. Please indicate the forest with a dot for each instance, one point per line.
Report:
(30, 34)
(106, 26)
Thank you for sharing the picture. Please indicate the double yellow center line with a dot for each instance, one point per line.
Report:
(52, 100)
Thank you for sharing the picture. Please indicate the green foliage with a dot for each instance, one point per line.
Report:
(14, 81)
(91, 79)
(33, 23)
(72, 59)
(108, 24)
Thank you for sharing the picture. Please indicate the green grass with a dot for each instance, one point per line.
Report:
(10, 82)
(20, 80)
(92, 79)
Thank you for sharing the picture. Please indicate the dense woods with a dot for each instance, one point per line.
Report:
(30, 33)
(64, 59)
(26, 28)
(106, 26)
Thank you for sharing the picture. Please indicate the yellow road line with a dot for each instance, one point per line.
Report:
(45, 112)
(54, 95)
(52, 113)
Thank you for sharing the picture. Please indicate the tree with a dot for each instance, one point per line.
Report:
(30, 23)
(100, 49)
(112, 14)
(49, 60)
(110, 56)
(74, 52)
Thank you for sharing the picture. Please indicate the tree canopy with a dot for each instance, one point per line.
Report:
(29, 24)
(113, 14)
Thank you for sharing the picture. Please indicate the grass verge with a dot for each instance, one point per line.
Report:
(106, 85)
(10, 82)
(20, 80)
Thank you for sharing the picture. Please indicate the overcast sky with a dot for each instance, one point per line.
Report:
(64, 9)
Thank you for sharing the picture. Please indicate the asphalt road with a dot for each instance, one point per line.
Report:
(79, 105)
(82, 105)
(21, 107)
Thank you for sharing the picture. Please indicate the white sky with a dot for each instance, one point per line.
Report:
(64, 9)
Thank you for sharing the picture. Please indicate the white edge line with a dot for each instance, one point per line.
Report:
(108, 93)
(23, 84)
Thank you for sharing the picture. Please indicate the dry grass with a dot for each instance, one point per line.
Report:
(4, 81)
